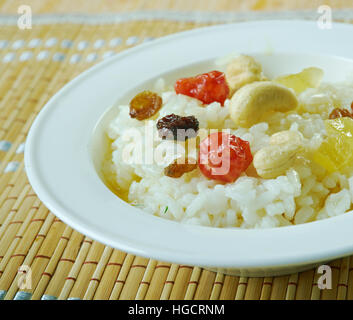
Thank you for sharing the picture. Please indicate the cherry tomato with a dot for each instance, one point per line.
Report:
(224, 157)
(208, 87)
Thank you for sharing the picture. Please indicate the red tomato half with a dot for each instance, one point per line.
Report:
(208, 87)
(224, 157)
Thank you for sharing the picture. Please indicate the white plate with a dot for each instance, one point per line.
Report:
(60, 146)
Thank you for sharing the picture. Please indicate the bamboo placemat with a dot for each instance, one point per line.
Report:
(65, 264)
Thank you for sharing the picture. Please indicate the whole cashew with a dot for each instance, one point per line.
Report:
(242, 70)
(252, 102)
(275, 159)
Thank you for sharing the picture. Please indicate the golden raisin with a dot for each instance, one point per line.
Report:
(145, 105)
(176, 169)
(340, 113)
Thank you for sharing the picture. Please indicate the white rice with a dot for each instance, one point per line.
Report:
(304, 194)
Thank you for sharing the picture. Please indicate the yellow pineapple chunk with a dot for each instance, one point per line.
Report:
(307, 78)
(336, 152)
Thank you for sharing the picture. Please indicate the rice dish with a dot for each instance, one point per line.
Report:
(305, 192)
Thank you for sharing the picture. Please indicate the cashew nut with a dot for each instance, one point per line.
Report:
(252, 102)
(275, 159)
(242, 70)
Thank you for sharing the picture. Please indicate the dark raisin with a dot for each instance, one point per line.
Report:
(340, 113)
(177, 127)
(145, 105)
(176, 169)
